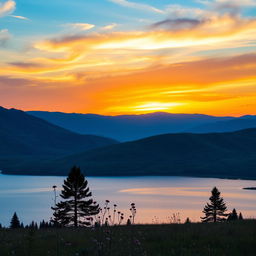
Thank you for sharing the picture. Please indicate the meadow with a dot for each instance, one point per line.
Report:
(191, 239)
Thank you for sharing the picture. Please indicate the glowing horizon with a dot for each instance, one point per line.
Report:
(129, 57)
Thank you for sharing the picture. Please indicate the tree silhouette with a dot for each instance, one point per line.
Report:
(233, 215)
(215, 210)
(240, 217)
(75, 210)
(15, 222)
(187, 220)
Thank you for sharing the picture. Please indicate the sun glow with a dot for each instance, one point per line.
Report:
(155, 106)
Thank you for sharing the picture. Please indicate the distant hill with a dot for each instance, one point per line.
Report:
(230, 155)
(24, 137)
(127, 127)
(235, 124)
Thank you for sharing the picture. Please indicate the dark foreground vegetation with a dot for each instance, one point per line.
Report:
(199, 239)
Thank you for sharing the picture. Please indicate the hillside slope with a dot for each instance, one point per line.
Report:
(24, 136)
(206, 155)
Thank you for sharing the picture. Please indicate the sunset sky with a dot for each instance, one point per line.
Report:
(129, 56)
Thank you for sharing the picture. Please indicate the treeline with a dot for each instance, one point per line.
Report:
(15, 223)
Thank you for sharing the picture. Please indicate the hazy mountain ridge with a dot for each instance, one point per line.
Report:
(128, 127)
(235, 124)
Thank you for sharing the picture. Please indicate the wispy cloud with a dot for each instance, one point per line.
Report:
(176, 11)
(20, 17)
(176, 24)
(80, 26)
(7, 8)
(234, 3)
(81, 58)
(25, 65)
(168, 41)
(138, 6)
(109, 27)
(233, 7)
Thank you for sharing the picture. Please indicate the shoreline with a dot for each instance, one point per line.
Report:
(140, 176)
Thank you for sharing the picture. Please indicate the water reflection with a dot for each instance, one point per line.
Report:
(183, 192)
(156, 198)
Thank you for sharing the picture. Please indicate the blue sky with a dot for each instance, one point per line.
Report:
(48, 16)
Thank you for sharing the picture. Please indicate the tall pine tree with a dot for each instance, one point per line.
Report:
(75, 209)
(15, 222)
(215, 210)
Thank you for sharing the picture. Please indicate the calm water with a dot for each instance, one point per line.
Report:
(156, 198)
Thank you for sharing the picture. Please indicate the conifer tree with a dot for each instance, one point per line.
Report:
(240, 217)
(233, 215)
(15, 222)
(42, 224)
(75, 210)
(215, 210)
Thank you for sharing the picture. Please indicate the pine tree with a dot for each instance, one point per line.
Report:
(42, 224)
(61, 214)
(15, 222)
(215, 210)
(233, 215)
(240, 217)
(75, 209)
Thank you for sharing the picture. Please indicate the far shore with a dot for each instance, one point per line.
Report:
(130, 176)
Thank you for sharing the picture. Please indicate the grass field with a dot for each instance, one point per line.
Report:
(222, 239)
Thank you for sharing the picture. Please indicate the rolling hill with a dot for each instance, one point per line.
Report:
(230, 155)
(24, 138)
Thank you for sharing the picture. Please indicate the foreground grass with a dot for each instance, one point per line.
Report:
(222, 239)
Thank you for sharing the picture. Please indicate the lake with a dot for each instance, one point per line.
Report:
(156, 198)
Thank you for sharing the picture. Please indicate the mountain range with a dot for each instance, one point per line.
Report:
(30, 145)
(133, 127)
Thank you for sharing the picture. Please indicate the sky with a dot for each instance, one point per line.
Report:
(129, 56)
